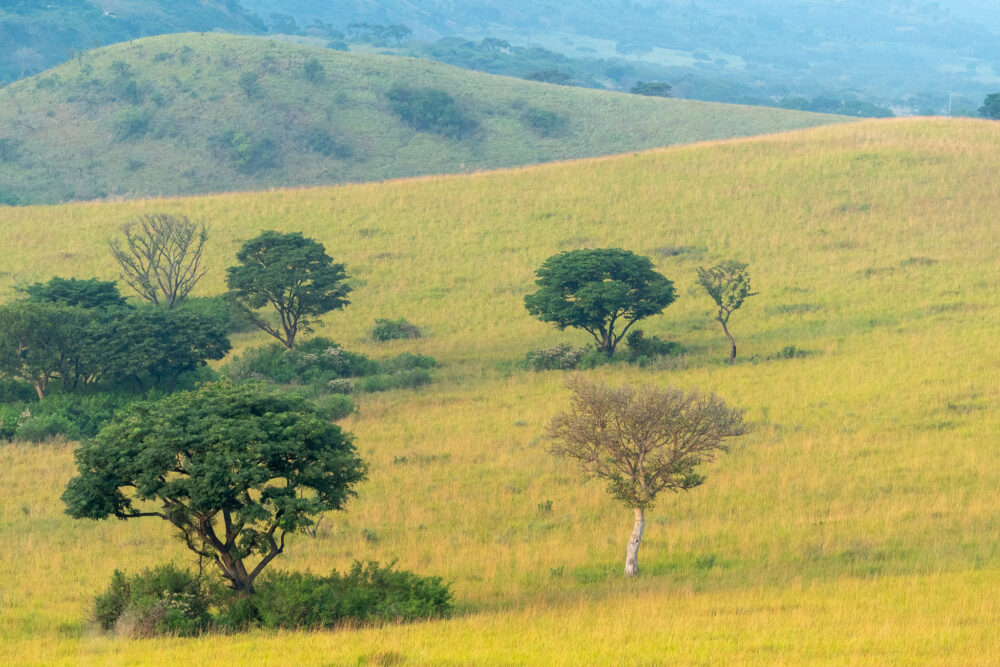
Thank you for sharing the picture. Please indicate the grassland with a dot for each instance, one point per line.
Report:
(158, 116)
(858, 523)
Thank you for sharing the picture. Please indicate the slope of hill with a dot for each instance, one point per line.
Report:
(856, 525)
(198, 113)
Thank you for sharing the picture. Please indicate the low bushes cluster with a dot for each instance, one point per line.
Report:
(70, 415)
(326, 367)
(639, 350)
(400, 329)
(169, 600)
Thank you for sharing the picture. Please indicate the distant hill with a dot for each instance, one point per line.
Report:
(37, 35)
(184, 114)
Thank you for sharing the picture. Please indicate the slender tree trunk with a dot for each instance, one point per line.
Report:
(632, 551)
(732, 343)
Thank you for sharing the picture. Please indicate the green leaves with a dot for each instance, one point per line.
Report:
(233, 467)
(291, 275)
(598, 290)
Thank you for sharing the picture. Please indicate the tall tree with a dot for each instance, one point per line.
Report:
(729, 285)
(290, 275)
(235, 468)
(991, 107)
(603, 291)
(161, 256)
(642, 442)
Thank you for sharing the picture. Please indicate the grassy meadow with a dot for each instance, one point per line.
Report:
(158, 116)
(857, 523)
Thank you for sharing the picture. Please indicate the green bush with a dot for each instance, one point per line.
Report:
(560, 357)
(163, 600)
(131, 123)
(10, 419)
(406, 379)
(313, 361)
(431, 110)
(45, 426)
(543, 122)
(407, 362)
(15, 391)
(368, 593)
(642, 350)
(249, 154)
(400, 329)
(335, 406)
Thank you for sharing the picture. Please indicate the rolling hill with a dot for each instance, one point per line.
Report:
(857, 524)
(184, 114)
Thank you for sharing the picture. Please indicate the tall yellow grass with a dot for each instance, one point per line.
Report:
(857, 523)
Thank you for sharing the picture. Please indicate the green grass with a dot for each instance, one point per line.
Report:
(86, 130)
(857, 523)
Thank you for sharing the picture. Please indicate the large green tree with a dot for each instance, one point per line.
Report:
(89, 293)
(235, 468)
(603, 291)
(290, 276)
(642, 442)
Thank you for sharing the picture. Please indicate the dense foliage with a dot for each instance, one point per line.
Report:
(288, 278)
(209, 462)
(602, 291)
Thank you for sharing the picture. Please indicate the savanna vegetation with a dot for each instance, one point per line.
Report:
(855, 522)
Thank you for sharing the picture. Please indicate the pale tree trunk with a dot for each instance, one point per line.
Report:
(732, 343)
(632, 551)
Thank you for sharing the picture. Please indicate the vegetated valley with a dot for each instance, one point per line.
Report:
(190, 114)
(856, 521)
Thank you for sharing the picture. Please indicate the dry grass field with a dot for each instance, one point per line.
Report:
(858, 523)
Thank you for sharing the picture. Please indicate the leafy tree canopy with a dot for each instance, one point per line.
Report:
(290, 275)
(603, 291)
(234, 467)
(991, 107)
(90, 293)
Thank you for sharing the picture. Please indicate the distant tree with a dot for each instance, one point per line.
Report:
(161, 256)
(991, 107)
(603, 291)
(494, 44)
(290, 275)
(642, 442)
(283, 24)
(235, 468)
(90, 293)
(314, 71)
(398, 32)
(549, 76)
(652, 88)
(250, 83)
(729, 285)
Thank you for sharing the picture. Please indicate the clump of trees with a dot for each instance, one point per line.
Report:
(431, 110)
(642, 441)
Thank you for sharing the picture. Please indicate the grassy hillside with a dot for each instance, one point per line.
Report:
(857, 523)
(202, 113)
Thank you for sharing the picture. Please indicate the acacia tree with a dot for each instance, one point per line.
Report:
(729, 285)
(39, 341)
(234, 468)
(642, 442)
(291, 275)
(161, 256)
(603, 291)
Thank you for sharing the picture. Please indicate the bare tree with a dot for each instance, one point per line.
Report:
(642, 441)
(729, 285)
(160, 257)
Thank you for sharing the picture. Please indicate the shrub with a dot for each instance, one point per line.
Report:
(314, 71)
(45, 426)
(561, 357)
(368, 592)
(544, 123)
(335, 406)
(131, 123)
(163, 600)
(248, 153)
(430, 110)
(316, 360)
(10, 419)
(15, 391)
(386, 329)
(407, 362)
(327, 145)
(642, 350)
